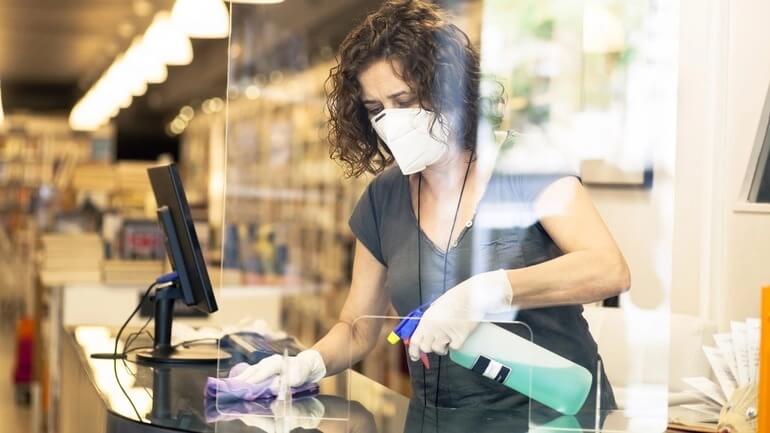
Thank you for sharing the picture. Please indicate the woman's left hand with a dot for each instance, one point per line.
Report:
(454, 315)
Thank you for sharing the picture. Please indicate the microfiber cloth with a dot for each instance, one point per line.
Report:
(230, 390)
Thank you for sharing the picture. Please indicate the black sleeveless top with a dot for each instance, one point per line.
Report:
(504, 233)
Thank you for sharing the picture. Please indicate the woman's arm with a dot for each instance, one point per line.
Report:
(592, 267)
(351, 339)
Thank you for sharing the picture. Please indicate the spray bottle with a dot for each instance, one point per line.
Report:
(513, 361)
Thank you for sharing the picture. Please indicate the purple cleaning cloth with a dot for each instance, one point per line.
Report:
(228, 390)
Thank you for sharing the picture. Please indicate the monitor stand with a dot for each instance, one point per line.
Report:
(163, 352)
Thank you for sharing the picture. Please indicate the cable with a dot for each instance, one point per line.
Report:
(134, 335)
(419, 275)
(134, 349)
(188, 343)
(115, 351)
(131, 338)
(446, 258)
(164, 280)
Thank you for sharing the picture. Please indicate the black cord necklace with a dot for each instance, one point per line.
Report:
(446, 257)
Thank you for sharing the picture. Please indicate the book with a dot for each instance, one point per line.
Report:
(734, 362)
(132, 271)
(71, 258)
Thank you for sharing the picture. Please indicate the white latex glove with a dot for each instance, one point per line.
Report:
(451, 318)
(307, 367)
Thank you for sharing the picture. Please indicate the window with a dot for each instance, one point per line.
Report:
(759, 168)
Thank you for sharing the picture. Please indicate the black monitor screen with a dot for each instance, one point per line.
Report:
(182, 242)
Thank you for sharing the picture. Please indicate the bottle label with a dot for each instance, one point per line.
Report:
(491, 369)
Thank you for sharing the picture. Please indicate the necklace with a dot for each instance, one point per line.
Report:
(446, 256)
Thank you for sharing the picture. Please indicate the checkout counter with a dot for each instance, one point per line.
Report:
(171, 399)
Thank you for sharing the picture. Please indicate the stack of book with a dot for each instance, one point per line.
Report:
(132, 189)
(71, 258)
(140, 272)
(94, 177)
(132, 176)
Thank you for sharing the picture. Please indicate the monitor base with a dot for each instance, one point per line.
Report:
(199, 354)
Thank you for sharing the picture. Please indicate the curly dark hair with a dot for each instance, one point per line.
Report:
(438, 62)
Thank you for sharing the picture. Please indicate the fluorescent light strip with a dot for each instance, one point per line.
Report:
(166, 42)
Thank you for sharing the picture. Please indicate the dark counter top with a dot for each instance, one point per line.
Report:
(172, 398)
(139, 397)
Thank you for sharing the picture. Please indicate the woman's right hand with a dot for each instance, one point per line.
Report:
(307, 367)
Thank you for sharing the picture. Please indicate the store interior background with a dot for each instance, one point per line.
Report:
(716, 256)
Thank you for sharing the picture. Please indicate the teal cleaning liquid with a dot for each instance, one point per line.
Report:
(566, 422)
(522, 365)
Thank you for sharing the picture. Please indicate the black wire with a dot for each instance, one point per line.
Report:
(134, 335)
(187, 343)
(126, 349)
(454, 220)
(419, 277)
(132, 338)
(115, 351)
(137, 348)
(446, 257)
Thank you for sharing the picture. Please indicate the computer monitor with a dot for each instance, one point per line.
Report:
(191, 285)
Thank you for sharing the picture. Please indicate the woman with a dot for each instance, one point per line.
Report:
(445, 226)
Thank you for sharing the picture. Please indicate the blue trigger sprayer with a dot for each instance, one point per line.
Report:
(513, 361)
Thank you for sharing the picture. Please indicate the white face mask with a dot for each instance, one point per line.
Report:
(407, 133)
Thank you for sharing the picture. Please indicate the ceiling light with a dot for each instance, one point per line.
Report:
(139, 89)
(217, 104)
(126, 101)
(114, 85)
(213, 105)
(167, 42)
(179, 123)
(136, 64)
(83, 117)
(186, 113)
(147, 62)
(252, 91)
(204, 19)
(156, 73)
(125, 78)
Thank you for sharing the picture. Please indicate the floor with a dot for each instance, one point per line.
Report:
(13, 417)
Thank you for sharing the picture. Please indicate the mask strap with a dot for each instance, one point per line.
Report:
(446, 257)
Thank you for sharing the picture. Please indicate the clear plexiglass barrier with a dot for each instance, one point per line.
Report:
(427, 166)
(499, 379)
(373, 392)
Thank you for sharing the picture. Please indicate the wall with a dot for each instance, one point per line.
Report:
(747, 235)
(698, 245)
(719, 257)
